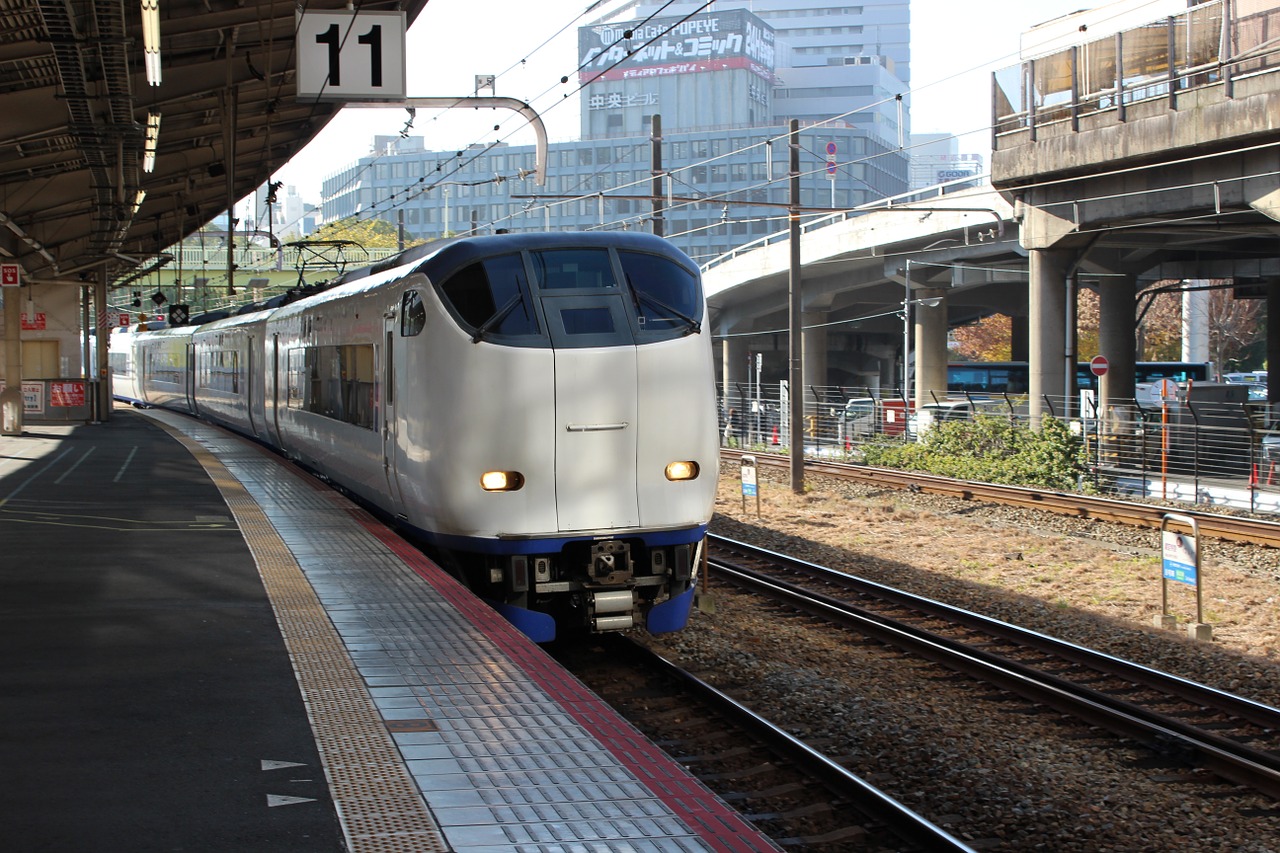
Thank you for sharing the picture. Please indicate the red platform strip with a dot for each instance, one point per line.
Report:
(716, 824)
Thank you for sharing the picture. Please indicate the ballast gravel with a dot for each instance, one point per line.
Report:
(989, 768)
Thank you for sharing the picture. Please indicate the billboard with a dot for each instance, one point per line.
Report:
(660, 47)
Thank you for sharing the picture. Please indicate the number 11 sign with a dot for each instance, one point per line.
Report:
(345, 56)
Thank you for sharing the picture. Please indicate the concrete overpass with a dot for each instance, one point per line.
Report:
(1134, 157)
(958, 247)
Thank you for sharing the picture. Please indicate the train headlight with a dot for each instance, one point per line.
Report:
(501, 481)
(682, 471)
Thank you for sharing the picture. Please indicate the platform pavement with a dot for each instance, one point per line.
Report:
(148, 701)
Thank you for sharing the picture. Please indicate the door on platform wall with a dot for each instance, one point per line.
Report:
(40, 360)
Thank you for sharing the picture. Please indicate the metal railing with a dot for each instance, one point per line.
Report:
(1220, 453)
(1209, 44)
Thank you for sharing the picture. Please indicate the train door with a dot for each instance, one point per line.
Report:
(189, 380)
(273, 417)
(597, 412)
(252, 385)
(392, 352)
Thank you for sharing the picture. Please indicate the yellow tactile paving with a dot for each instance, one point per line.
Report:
(377, 801)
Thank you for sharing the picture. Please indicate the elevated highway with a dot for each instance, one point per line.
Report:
(1120, 160)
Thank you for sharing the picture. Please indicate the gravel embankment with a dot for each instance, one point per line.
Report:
(983, 767)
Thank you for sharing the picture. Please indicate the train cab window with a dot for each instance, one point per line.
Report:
(573, 269)
(492, 297)
(587, 321)
(413, 315)
(665, 295)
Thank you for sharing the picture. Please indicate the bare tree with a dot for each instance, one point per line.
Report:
(1234, 325)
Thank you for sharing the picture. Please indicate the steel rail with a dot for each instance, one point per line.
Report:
(1194, 692)
(1253, 531)
(904, 822)
(1226, 758)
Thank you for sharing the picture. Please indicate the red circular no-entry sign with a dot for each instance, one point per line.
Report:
(1098, 365)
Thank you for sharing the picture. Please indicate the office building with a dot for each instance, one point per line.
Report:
(725, 83)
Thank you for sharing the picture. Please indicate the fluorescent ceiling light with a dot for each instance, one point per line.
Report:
(152, 142)
(151, 39)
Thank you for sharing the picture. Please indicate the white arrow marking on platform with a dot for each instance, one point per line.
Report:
(274, 800)
(279, 765)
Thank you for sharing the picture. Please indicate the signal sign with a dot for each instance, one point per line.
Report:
(10, 275)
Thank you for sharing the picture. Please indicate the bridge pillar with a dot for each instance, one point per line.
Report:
(1117, 341)
(814, 355)
(11, 405)
(1018, 338)
(931, 345)
(736, 373)
(1047, 352)
(1273, 349)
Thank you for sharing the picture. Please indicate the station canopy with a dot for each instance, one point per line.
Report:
(78, 194)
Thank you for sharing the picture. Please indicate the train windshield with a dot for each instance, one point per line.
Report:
(575, 296)
(573, 269)
(491, 296)
(665, 294)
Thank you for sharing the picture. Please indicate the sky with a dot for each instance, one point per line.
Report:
(954, 48)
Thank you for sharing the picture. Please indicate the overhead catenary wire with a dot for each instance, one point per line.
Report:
(627, 220)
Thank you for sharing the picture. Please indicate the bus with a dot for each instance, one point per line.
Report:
(1013, 377)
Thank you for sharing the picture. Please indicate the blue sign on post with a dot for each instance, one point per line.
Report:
(1179, 557)
(1181, 564)
(750, 487)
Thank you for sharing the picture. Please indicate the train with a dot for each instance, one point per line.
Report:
(536, 410)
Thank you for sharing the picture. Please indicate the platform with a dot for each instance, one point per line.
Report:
(205, 649)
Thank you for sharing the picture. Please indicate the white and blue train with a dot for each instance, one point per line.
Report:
(537, 409)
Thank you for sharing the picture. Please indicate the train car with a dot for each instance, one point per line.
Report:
(228, 378)
(151, 367)
(537, 409)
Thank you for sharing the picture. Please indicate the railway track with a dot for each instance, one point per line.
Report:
(1226, 527)
(1191, 724)
(803, 799)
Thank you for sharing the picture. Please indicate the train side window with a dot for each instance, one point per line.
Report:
(492, 295)
(413, 315)
(573, 269)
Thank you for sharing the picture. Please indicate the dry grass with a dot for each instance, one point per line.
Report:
(921, 542)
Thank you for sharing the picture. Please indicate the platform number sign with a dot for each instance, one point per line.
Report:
(10, 275)
(351, 56)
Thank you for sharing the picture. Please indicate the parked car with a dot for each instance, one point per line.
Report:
(924, 417)
(858, 419)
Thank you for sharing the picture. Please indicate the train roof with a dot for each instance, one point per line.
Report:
(443, 256)
(437, 260)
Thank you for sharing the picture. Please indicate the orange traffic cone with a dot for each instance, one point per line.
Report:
(775, 433)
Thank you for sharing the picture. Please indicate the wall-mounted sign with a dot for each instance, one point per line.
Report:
(658, 47)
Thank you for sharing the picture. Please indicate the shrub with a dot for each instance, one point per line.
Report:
(990, 449)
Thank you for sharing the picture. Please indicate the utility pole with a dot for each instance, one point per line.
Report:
(795, 379)
(655, 142)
